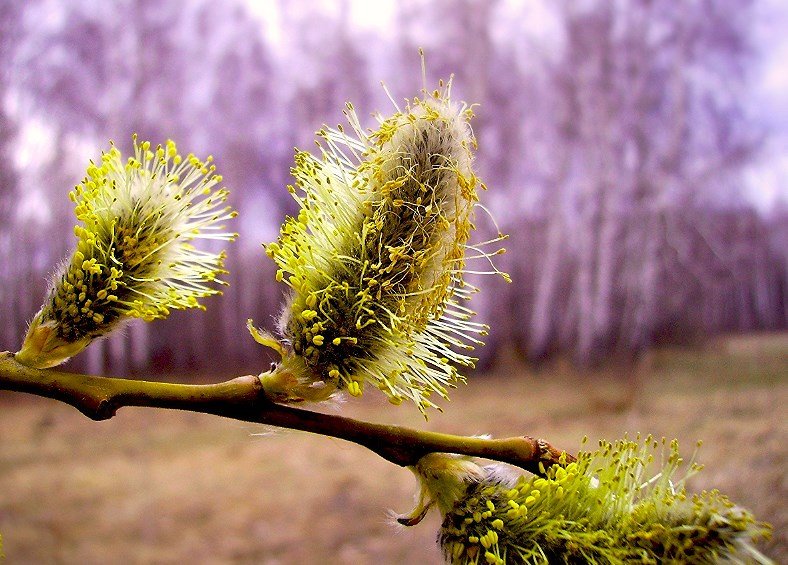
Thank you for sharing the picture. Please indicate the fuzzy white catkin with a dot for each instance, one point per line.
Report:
(135, 256)
(376, 259)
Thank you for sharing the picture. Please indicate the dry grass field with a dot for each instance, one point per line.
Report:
(166, 487)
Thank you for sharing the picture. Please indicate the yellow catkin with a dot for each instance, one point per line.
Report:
(376, 255)
(135, 256)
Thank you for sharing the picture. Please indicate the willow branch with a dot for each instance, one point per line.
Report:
(243, 398)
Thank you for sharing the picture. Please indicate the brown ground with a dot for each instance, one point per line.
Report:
(165, 487)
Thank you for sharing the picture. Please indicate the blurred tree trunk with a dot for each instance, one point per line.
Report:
(589, 53)
(11, 12)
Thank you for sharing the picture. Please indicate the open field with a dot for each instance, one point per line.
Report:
(166, 487)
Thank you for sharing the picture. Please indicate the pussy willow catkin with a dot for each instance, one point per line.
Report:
(376, 257)
(625, 502)
(134, 258)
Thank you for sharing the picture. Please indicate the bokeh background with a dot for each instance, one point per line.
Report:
(636, 151)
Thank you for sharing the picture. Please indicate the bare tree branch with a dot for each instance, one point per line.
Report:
(243, 398)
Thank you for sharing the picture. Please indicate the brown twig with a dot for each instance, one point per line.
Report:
(243, 398)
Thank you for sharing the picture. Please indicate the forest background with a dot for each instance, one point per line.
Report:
(635, 153)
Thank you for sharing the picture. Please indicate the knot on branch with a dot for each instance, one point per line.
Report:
(98, 410)
(549, 455)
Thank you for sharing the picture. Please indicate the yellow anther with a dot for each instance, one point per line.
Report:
(308, 315)
(354, 388)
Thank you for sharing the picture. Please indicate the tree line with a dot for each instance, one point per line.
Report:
(614, 138)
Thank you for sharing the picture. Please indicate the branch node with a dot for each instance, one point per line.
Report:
(549, 455)
(103, 411)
